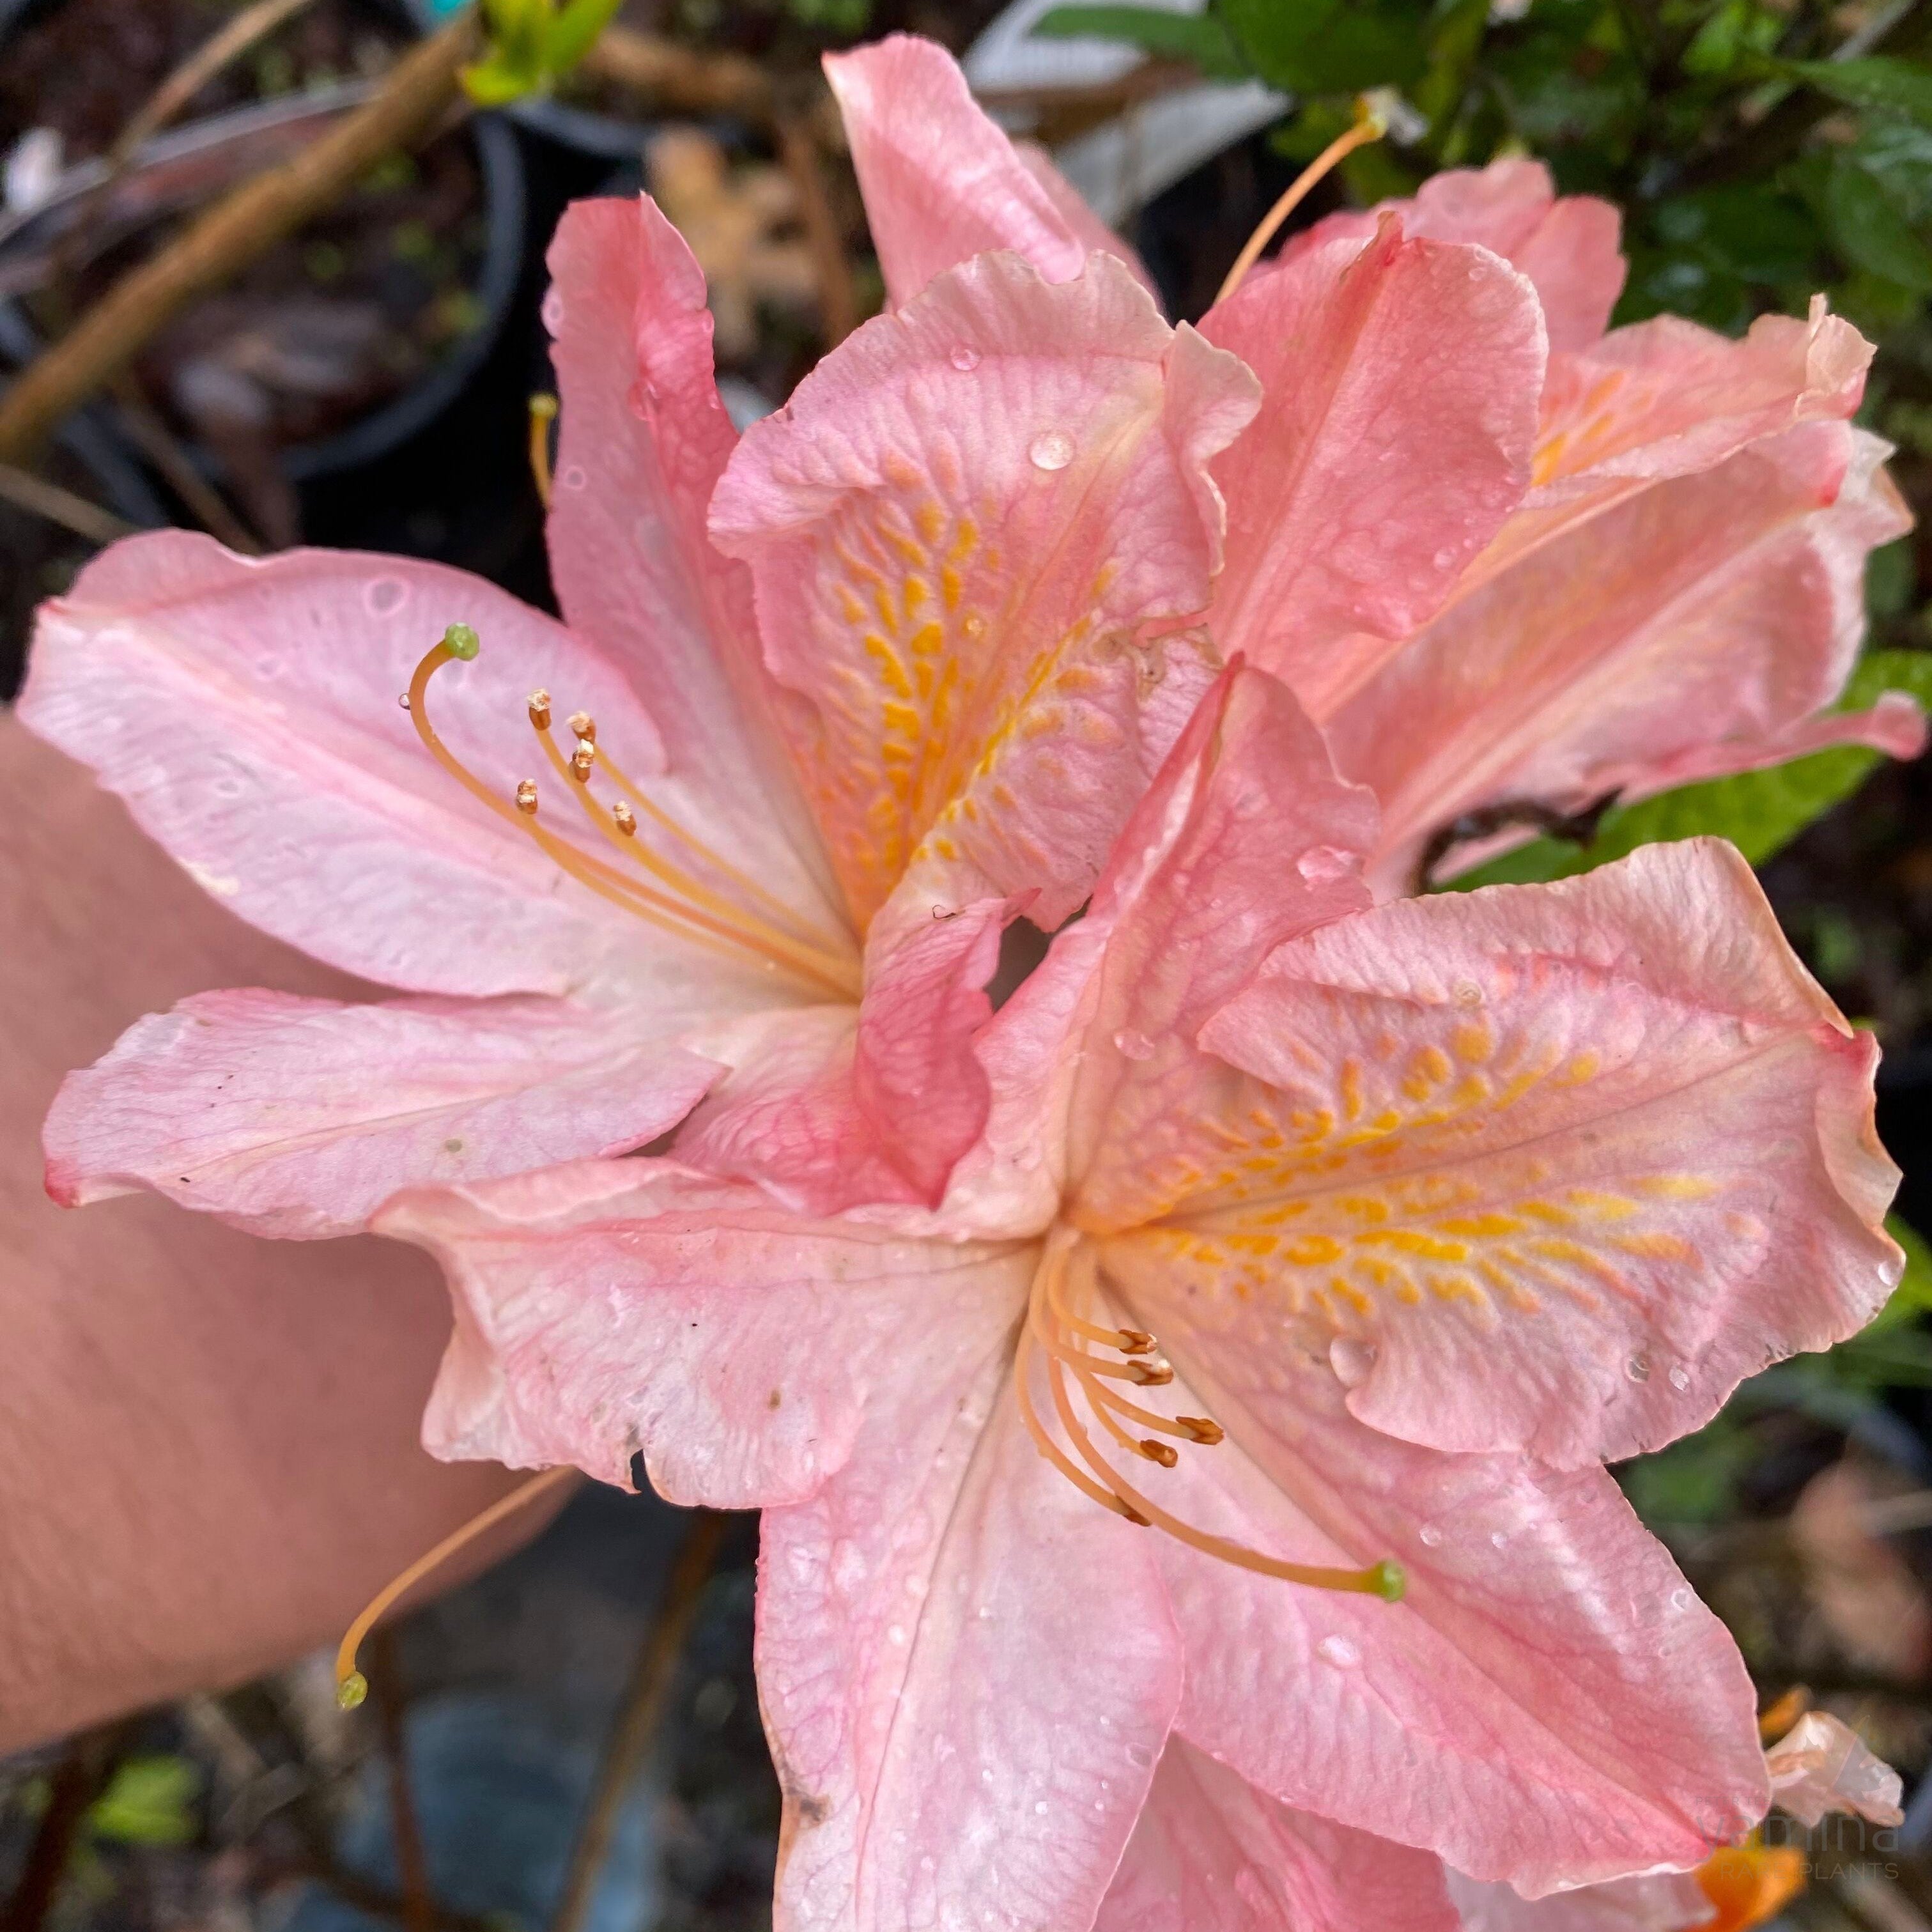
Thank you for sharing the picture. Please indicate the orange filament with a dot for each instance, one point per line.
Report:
(543, 413)
(1369, 126)
(351, 1686)
(1051, 1330)
(688, 910)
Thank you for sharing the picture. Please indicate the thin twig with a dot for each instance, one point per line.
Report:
(838, 300)
(385, 1682)
(40, 498)
(679, 77)
(643, 1708)
(159, 444)
(238, 228)
(78, 1779)
(354, 1890)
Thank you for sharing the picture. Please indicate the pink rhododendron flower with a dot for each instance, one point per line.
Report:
(1657, 580)
(939, 711)
(1311, 1243)
(1822, 1765)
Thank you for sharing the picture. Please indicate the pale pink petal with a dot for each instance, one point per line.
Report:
(246, 709)
(1568, 248)
(298, 1117)
(1547, 1167)
(942, 182)
(967, 1669)
(957, 529)
(643, 439)
(1690, 631)
(1549, 1703)
(831, 1115)
(608, 1309)
(1212, 1854)
(1399, 384)
(1654, 1902)
(1096, 237)
(1246, 839)
(1822, 1765)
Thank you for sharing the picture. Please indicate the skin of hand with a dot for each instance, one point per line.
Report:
(208, 1460)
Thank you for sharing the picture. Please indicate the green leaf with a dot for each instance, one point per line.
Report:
(1876, 83)
(1870, 230)
(1199, 38)
(494, 82)
(1760, 812)
(150, 1801)
(1331, 46)
(574, 31)
(1913, 1295)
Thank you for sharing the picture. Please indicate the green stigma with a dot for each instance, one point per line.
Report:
(1388, 1581)
(354, 1688)
(460, 641)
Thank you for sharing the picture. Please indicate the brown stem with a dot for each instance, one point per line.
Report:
(838, 301)
(644, 1709)
(78, 1779)
(159, 444)
(40, 498)
(238, 228)
(385, 1684)
(679, 77)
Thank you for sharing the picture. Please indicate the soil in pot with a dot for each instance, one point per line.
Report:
(327, 327)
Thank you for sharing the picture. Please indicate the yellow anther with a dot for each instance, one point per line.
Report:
(625, 819)
(581, 759)
(1200, 1429)
(582, 725)
(1135, 1342)
(1149, 1375)
(540, 710)
(526, 796)
(1163, 1453)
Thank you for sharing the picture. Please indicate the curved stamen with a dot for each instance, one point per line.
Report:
(689, 922)
(543, 413)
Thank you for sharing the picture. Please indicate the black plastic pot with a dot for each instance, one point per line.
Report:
(105, 447)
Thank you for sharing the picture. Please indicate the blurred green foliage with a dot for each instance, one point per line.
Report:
(150, 1801)
(529, 44)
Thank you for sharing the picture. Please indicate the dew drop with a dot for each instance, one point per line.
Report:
(1339, 1651)
(385, 595)
(986, 1775)
(1430, 1536)
(1680, 1599)
(1133, 1046)
(1500, 1538)
(1680, 1378)
(1039, 1808)
(228, 788)
(1467, 993)
(1351, 1358)
(553, 311)
(973, 625)
(963, 358)
(1140, 1755)
(572, 478)
(1320, 863)
(1638, 1368)
(896, 1633)
(1051, 449)
(1444, 557)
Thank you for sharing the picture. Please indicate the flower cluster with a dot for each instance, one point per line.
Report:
(1178, 1395)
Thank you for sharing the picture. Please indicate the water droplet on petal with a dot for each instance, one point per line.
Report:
(1051, 449)
(1430, 1536)
(1680, 1599)
(1039, 1808)
(1320, 863)
(228, 788)
(1467, 993)
(553, 311)
(1133, 1046)
(1339, 1651)
(572, 478)
(1351, 1358)
(1680, 1378)
(1141, 1755)
(1445, 557)
(1500, 1537)
(973, 625)
(1638, 1368)
(963, 358)
(896, 1634)
(385, 595)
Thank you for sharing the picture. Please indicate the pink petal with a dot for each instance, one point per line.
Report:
(1654, 1902)
(1549, 1704)
(1691, 630)
(1822, 1765)
(967, 1669)
(607, 1309)
(246, 711)
(642, 440)
(1212, 1854)
(298, 1117)
(957, 530)
(1399, 385)
(1572, 1161)
(831, 1116)
(1568, 248)
(1246, 839)
(943, 183)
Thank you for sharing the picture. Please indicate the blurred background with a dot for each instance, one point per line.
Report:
(573, 1741)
